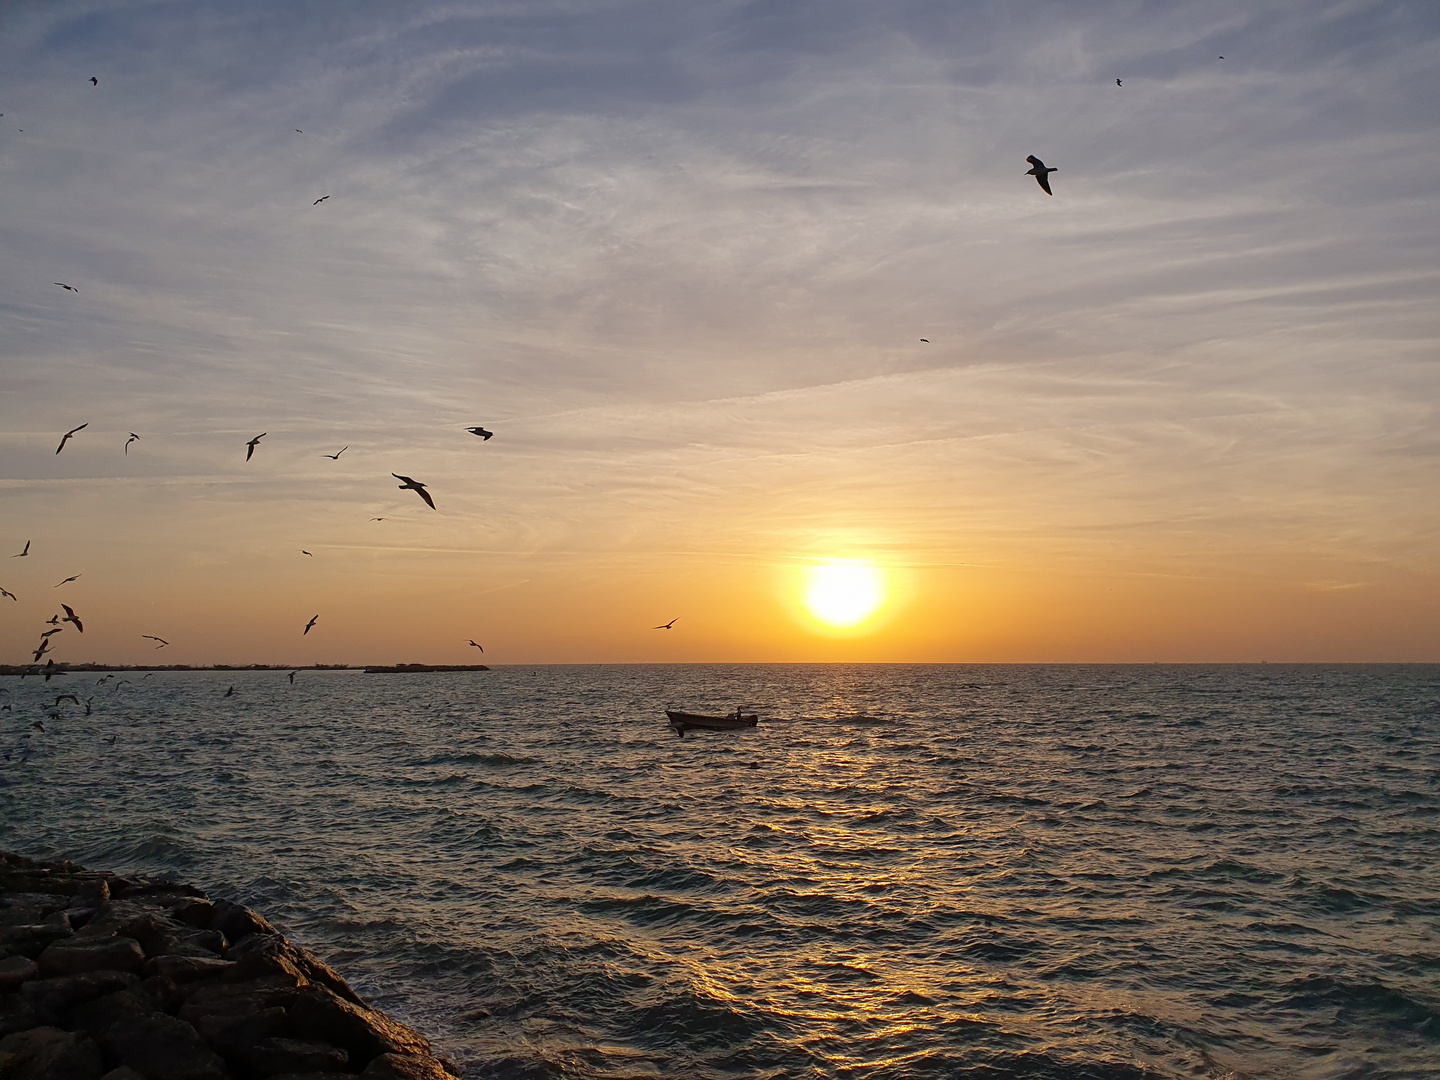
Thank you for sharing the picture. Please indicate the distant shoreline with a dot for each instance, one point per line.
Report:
(379, 669)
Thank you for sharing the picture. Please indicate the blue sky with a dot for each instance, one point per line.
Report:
(680, 257)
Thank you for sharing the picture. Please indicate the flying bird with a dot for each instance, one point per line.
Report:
(38, 726)
(94, 81)
(49, 668)
(477, 644)
(71, 617)
(1119, 83)
(23, 553)
(485, 435)
(7, 592)
(250, 446)
(54, 620)
(926, 340)
(67, 697)
(379, 519)
(88, 700)
(415, 486)
(304, 552)
(57, 630)
(42, 650)
(299, 132)
(669, 625)
(313, 620)
(292, 677)
(230, 691)
(336, 456)
(133, 438)
(152, 637)
(1040, 173)
(66, 437)
(72, 577)
(148, 675)
(67, 288)
(321, 199)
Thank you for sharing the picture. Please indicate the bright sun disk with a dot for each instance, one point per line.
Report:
(844, 593)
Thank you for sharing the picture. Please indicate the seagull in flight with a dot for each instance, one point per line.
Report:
(313, 620)
(1119, 83)
(72, 577)
(152, 637)
(94, 81)
(485, 435)
(54, 620)
(304, 552)
(667, 626)
(336, 456)
(66, 437)
(67, 288)
(477, 644)
(133, 438)
(415, 486)
(926, 340)
(7, 592)
(250, 446)
(230, 691)
(42, 650)
(57, 630)
(23, 553)
(1040, 173)
(321, 199)
(71, 617)
(66, 697)
(292, 677)
(380, 519)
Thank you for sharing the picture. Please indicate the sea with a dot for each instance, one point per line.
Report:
(902, 872)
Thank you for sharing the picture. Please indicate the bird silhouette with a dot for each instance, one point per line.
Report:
(133, 438)
(380, 519)
(152, 637)
(1040, 173)
(415, 486)
(94, 81)
(72, 577)
(485, 435)
(7, 592)
(292, 677)
(57, 630)
(54, 620)
(313, 620)
(67, 697)
(1119, 83)
(926, 340)
(336, 456)
(477, 644)
(66, 437)
(67, 288)
(304, 552)
(22, 554)
(88, 700)
(42, 650)
(250, 446)
(321, 199)
(230, 691)
(669, 625)
(71, 617)
(38, 726)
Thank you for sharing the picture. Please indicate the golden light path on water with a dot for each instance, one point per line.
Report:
(844, 593)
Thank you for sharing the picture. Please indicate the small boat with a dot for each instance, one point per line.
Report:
(684, 721)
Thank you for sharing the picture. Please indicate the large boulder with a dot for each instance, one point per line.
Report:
(362, 1031)
(60, 995)
(31, 939)
(276, 1055)
(188, 968)
(48, 1053)
(16, 969)
(235, 1017)
(405, 1067)
(236, 922)
(271, 954)
(162, 1048)
(75, 956)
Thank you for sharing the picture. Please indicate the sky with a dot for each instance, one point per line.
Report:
(680, 257)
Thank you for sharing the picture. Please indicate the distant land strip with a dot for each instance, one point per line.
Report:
(373, 669)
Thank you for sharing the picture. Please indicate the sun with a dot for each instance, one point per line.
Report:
(843, 593)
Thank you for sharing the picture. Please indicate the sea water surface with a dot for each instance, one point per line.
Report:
(903, 872)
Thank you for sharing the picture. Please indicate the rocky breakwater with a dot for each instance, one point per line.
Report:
(103, 976)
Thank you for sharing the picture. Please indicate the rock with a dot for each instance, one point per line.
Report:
(162, 1048)
(62, 994)
(30, 939)
(275, 1055)
(16, 969)
(405, 1067)
(236, 922)
(180, 940)
(74, 957)
(188, 968)
(121, 1007)
(17, 1014)
(196, 912)
(124, 1072)
(365, 1033)
(233, 1018)
(47, 1053)
(313, 1076)
(272, 954)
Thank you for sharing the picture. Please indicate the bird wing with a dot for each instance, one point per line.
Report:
(420, 490)
(1044, 182)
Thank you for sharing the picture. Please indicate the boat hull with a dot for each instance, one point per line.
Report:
(683, 722)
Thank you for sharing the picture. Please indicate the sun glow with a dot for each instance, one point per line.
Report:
(844, 593)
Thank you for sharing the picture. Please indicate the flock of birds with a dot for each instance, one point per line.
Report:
(1038, 169)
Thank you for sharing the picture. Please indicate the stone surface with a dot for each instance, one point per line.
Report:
(405, 1067)
(237, 922)
(77, 956)
(365, 1033)
(121, 1007)
(31, 939)
(48, 1053)
(16, 969)
(277, 1055)
(124, 1072)
(163, 1048)
(188, 968)
(233, 1018)
(17, 1014)
(62, 994)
